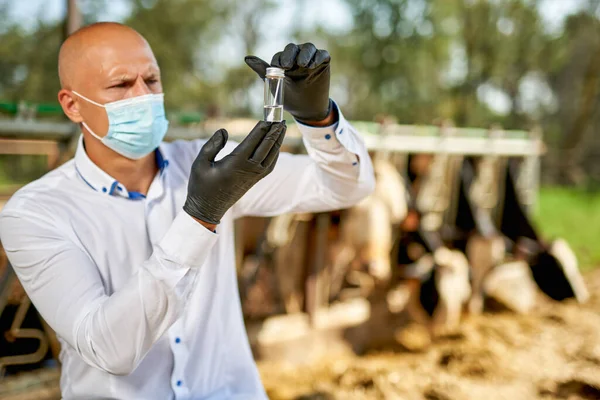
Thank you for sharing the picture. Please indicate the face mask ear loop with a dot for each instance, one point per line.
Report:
(91, 131)
(83, 123)
(88, 100)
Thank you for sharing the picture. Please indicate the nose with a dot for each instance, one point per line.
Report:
(140, 87)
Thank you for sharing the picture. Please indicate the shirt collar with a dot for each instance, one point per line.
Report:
(102, 182)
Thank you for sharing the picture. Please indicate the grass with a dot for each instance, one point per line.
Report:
(574, 215)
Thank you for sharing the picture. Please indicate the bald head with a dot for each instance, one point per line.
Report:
(104, 62)
(89, 46)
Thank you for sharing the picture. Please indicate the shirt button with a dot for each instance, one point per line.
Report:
(104, 189)
(179, 383)
(177, 340)
(328, 136)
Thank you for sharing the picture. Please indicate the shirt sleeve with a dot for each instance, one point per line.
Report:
(110, 332)
(337, 173)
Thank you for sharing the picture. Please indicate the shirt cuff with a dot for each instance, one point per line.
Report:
(319, 131)
(187, 242)
(334, 138)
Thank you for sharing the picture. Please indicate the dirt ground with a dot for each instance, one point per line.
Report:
(553, 353)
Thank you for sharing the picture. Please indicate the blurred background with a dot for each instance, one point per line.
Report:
(518, 65)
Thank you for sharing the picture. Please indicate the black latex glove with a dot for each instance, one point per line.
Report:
(215, 186)
(307, 74)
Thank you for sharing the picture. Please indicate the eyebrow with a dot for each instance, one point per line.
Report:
(122, 78)
(151, 74)
(152, 70)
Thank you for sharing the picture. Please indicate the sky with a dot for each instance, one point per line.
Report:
(555, 12)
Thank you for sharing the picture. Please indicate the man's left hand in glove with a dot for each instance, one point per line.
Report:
(307, 75)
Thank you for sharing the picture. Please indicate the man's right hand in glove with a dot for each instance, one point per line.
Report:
(215, 186)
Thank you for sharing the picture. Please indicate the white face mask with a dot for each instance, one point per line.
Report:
(136, 126)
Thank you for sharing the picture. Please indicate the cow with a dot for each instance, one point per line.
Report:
(366, 231)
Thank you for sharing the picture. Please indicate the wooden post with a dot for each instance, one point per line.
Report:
(74, 18)
(239, 244)
(317, 250)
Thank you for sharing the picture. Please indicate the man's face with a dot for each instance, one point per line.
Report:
(110, 64)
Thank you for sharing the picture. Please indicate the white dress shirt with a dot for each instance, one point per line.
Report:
(143, 298)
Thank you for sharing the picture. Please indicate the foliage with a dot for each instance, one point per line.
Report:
(180, 33)
(476, 62)
(28, 61)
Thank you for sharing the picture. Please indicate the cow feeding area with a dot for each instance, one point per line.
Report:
(551, 353)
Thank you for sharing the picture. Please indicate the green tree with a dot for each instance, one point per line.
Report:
(389, 61)
(424, 59)
(181, 33)
(28, 60)
(574, 70)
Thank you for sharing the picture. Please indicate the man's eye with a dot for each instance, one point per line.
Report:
(120, 85)
(151, 81)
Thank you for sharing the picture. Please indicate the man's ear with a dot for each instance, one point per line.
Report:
(69, 105)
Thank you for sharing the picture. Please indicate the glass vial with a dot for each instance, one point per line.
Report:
(273, 108)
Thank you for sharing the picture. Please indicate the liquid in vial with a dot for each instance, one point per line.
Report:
(273, 104)
(273, 113)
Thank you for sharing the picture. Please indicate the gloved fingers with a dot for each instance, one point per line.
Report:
(253, 140)
(211, 148)
(322, 57)
(273, 162)
(287, 58)
(270, 139)
(275, 61)
(257, 65)
(306, 54)
(271, 158)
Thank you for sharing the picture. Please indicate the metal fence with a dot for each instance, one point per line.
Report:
(56, 141)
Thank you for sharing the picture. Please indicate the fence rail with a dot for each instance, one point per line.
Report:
(392, 138)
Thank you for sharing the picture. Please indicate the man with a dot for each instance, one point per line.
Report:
(127, 250)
